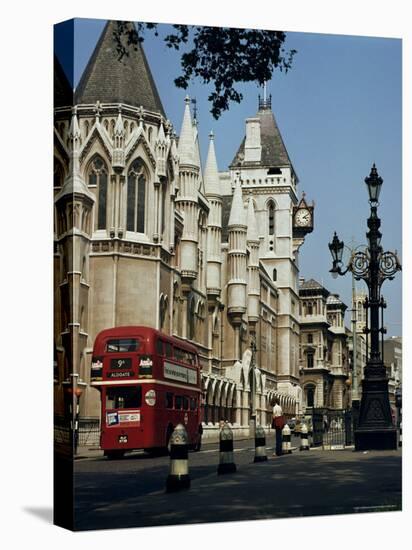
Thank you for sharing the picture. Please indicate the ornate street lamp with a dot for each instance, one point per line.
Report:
(375, 428)
(252, 375)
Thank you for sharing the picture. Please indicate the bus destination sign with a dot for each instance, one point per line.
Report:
(182, 374)
(126, 374)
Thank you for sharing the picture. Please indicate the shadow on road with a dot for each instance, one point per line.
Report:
(302, 484)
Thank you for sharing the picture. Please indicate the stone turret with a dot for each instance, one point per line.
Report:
(237, 263)
(74, 213)
(162, 149)
(252, 239)
(187, 199)
(214, 228)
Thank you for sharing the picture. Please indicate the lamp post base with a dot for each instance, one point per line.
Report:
(375, 430)
(384, 439)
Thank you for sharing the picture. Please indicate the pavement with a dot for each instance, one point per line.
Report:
(131, 492)
(94, 452)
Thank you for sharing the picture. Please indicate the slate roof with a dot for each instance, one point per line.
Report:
(310, 284)
(63, 93)
(311, 287)
(274, 153)
(109, 79)
(333, 300)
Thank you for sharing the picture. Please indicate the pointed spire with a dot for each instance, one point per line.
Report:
(211, 175)
(74, 130)
(119, 128)
(118, 151)
(112, 80)
(252, 230)
(161, 134)
(74, 183)
(237, 211)
(186, 139)
(197, 146)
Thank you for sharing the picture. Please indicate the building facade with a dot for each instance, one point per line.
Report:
(323, 354)
(146, 235)
(392, 357)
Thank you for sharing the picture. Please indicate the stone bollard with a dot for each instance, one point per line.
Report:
(260, 445)
(304, 444)
(226, 462)
(286, 445)
(400, 434)
(178, 478)
(310, 435)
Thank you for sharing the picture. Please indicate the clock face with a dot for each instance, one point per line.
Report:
(303, 218)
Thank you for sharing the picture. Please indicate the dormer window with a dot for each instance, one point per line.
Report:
(273, 170)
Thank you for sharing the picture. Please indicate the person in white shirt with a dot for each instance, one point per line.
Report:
(278, 414)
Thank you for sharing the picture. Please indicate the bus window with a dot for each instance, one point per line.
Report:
(192, 403)
(123, 398)
(122, 345)
(169, 350)
(169, 400)
(179, 354)
(159, 347)
(178, 402)
(185, 404)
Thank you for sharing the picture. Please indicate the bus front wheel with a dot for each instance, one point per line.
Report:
(114, 455)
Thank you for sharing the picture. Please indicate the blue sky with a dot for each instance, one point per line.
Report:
(339, 111)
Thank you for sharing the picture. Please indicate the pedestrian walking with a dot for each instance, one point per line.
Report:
(278, 422)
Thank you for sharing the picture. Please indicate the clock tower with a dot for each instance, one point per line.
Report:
(267, 176)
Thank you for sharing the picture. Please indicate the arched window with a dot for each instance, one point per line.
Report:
(97, 177)
(271, 218)
(163, 191)
(191, 319)
(310, 396)
(275, 274)
(310, 309)
(58, 173)
(136, 197)
(163, 306)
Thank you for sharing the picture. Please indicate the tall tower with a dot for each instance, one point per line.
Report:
(114, 221)
(187, 203)
(268, 177)
(253, 290)
(74, 204)
(214, 228)
(236, 301)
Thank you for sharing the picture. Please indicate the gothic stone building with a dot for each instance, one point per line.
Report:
(146, 235)
(323, 352)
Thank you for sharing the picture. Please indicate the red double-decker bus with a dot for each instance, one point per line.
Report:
(149, 382)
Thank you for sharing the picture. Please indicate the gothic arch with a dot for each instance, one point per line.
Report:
(137, 186)
(58, 172)
(309, 393)
(97, 176)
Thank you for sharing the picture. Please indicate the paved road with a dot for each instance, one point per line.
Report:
(131, 492)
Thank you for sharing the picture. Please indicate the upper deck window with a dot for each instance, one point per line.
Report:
(122, 345)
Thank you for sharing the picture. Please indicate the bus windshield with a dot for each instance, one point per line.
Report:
(123, 397)
(121, 345)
